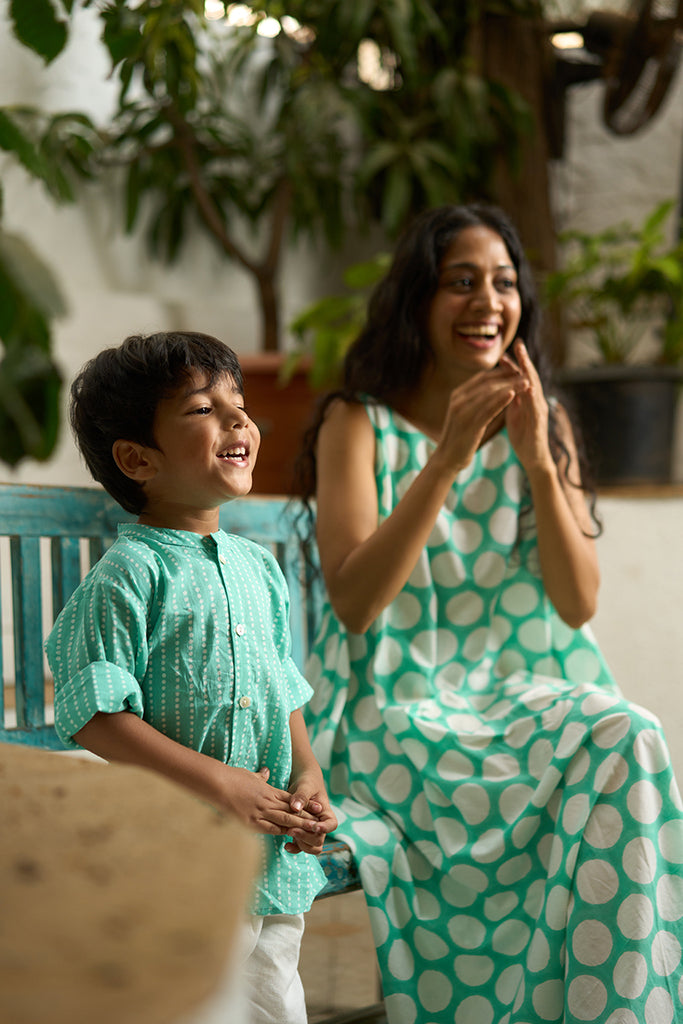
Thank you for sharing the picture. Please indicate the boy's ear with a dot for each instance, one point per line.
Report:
(134, 460)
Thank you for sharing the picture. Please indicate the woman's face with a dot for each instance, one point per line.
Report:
(476, 309)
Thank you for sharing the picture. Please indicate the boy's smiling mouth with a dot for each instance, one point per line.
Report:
(237, 453)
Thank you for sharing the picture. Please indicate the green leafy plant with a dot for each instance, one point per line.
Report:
(256, 139)
(50, 149)
(324, 330)
(615, 284)
(29, 379)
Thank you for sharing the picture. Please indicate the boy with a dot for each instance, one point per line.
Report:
(173, 654)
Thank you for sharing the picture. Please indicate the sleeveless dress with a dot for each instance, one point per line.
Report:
(516, 823)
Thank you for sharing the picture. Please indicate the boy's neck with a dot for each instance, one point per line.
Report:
(180, 517)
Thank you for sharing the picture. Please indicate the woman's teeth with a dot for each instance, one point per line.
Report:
(480, 332)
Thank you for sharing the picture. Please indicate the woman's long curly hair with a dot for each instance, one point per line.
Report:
(389, 356)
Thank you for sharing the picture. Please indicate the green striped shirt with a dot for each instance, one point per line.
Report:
(191, 633)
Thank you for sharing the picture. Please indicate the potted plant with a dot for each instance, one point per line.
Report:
(621, 293)
(324, 330)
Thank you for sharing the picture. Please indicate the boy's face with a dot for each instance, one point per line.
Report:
(207, 448)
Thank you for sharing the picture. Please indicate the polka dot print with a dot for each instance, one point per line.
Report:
(517, 827)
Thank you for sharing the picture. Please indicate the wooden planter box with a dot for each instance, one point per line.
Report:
(282, 413)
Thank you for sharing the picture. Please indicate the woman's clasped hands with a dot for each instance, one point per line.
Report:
(511, 390)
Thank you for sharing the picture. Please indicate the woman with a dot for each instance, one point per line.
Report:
(516, 824)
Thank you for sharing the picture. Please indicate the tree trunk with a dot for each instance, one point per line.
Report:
(269, 307)
(517, 52)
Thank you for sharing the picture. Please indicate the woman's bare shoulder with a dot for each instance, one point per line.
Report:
(343, 416)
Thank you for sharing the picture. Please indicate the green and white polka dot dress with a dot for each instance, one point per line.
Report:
(517, 826)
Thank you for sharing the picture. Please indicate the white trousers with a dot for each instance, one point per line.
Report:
(262, 985)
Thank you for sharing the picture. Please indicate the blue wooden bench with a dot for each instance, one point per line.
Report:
(49, 538)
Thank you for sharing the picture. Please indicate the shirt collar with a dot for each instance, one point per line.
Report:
(181, 538)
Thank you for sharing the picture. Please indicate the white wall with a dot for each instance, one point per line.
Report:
(639, 623)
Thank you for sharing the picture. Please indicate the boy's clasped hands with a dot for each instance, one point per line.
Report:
(303, 812)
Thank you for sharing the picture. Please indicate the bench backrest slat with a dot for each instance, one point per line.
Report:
(28, 631)
(69, 517)
(65, 570)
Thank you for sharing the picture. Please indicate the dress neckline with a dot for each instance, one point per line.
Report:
(394, 413)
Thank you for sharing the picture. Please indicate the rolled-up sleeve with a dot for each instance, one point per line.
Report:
(98, 652)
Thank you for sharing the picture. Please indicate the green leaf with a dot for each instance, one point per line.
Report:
(655, 220)
(121, 33)
(29, 404)
(366, 274)
(378, 158)
(133, 191)
(10, 303)
(671, 268)
(354, 18)
(37, 26)
(30, 275)
(399, 22)
(13, 140)
(396, 199)
(321, 313)
(433, 24)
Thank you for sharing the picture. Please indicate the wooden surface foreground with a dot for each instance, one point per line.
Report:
(120, 894)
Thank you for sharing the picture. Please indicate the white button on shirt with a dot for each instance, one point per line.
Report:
(244, 702)
(239, 629)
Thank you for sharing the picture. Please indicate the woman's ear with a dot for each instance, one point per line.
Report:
(134, 460)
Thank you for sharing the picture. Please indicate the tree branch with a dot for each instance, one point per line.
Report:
(281, 205)
(208, 210)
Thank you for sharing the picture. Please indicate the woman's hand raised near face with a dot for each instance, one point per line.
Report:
(526, 417)
(474, 406)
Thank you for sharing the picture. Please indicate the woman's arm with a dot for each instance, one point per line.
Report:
(366, 565)
(568, 559)
(125, 738)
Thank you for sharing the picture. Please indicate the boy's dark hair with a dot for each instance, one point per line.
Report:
(116, 394)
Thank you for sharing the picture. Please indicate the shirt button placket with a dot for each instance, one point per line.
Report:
(244, 702)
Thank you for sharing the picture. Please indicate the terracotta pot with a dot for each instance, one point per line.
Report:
(282, 413)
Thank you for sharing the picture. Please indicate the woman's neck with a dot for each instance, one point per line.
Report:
(426, 412)
(426, 406)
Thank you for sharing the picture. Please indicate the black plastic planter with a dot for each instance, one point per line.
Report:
(628, 415)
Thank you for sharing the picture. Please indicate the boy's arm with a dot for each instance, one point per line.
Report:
(307, 789)
(128, 739)
(306, 785)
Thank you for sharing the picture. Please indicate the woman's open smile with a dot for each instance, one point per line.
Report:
(475, 313)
